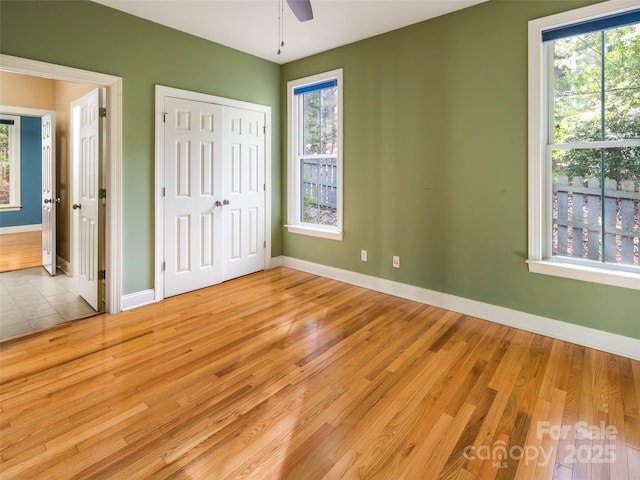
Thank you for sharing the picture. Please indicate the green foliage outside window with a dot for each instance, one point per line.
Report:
(320, 127)
(578, 108)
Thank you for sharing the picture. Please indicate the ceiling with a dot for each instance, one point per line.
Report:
(252, 26)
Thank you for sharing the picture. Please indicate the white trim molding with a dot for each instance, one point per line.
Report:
(22, 111)
(576, 271)
(569, 332)
(15, 162)
(36, 227)
(315, 232)
(113, 156)
(137, 299)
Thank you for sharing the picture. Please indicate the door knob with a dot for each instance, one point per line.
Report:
(218, 203)
(76, 206)
(47, 200)
(225, 202)
(58, 200)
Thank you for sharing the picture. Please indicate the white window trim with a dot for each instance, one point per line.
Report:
(293, 185)
(540, 259)
(14, 161)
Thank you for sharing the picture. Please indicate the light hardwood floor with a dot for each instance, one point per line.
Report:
(20, 250)
(282, 374)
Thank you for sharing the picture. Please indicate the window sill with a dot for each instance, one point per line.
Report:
(10, 208)
(315, 232)
(615, 278)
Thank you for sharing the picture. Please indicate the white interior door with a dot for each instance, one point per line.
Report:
(214, 194)
(243, 169)
(49, 199)
(86, 128)
(193, 197)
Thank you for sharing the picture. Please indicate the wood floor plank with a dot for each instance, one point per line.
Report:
(546, 455)
(383, 431)
(20, 250)
(285, 375)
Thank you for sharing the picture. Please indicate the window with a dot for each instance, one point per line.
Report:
(584, 144)
(9, 162)
(315, 155)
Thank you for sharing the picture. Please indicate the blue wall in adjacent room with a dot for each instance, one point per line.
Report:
(30, 176)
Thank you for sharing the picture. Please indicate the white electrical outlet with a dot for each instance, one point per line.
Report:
(363, 255)
(396, 261)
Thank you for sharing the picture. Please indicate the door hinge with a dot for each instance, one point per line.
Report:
(163, 266)
(164, 191)
(264, 129)
(102, 193)
(102, 275)
(264, 187)
(102, 112)
(164, 117)
(264, 244)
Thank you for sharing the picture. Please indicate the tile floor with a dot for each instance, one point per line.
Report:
(32, 300)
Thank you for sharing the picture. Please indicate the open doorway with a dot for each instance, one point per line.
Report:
(67, 84)
(31, 238)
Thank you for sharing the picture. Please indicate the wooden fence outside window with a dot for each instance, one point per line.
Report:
(578, 214)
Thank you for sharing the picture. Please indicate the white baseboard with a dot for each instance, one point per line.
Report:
(21, 228)
(585, 336)
(137, 299)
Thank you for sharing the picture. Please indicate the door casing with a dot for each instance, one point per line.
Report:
(161, 93)
(112, 158)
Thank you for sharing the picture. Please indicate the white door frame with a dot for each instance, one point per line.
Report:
(161, 93)
(112, 157)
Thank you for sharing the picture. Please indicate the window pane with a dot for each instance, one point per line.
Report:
(329, 121)
(5, 174)
(580, 210)
(576, 203)
(622, 83)
(583, 162)
(621, 205)
(577, 88)
(320, 125)
(311, 123)
(319, 191)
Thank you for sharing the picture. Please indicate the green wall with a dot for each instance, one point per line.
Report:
(435, 145)
(435, 166)
(90, 36)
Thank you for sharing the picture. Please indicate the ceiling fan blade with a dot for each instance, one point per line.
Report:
(301, 9)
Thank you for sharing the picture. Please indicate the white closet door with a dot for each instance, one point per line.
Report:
(214, 194)
(244, 191)
(192, 187)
